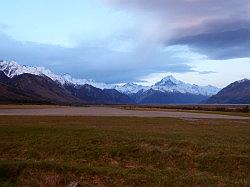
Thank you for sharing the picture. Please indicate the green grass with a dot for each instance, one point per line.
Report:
(115, 151)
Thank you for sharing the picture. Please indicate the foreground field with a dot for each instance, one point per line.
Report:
(123, 151)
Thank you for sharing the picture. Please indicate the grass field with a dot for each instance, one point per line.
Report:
(211, 110)
(123, 151)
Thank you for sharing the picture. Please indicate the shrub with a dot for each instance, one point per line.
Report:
(245, 109)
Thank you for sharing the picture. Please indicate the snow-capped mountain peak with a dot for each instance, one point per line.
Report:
(168, 81)
(170, 84)
(12, 69)
(169, 78)
(130, 88)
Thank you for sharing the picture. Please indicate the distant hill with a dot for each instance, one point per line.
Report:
(236, 93)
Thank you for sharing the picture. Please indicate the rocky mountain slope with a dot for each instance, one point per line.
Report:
(236, 93)
(34, 88)
(93, 95)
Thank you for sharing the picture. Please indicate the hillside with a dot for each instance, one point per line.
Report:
(236, 93)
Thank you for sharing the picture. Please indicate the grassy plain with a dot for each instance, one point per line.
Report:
(123, 151)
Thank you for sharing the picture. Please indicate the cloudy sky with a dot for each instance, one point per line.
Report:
(115, 41)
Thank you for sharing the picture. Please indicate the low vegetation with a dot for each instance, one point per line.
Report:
(115, 151)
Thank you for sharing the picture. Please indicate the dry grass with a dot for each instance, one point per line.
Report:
(122, 151)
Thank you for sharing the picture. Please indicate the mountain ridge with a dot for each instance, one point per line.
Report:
(235, 93)
(25, 84)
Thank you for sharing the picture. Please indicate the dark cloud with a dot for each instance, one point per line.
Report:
(98, 62)
(214, 26)
(219, 45)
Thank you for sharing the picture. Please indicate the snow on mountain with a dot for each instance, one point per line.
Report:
(12, 69)
(131, 88)
(168, 84)
(168, 81)
(67, 79)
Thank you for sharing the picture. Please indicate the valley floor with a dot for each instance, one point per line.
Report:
(123, 151)
(33, 110)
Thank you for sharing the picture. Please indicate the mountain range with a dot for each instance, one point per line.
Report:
(37, 84)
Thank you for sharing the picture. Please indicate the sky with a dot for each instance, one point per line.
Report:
(205, 42)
